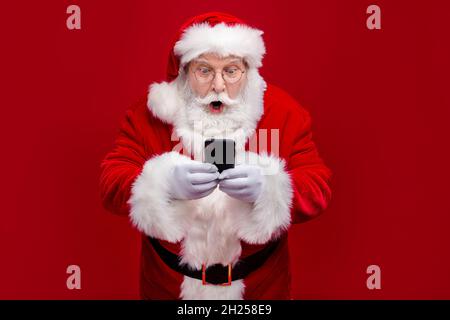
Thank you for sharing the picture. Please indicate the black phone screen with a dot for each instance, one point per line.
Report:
(221, 153)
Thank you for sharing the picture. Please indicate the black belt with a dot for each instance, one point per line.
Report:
(217, 273)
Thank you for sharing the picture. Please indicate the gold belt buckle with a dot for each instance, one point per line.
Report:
(222, 284)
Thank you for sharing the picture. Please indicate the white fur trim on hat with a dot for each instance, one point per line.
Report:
(239, 40)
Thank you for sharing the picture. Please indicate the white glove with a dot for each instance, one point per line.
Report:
(244, 182)
(193, 180)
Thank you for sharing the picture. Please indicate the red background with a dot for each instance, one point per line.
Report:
(380, 107)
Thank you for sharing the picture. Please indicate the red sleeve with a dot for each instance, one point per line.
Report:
(122, 165)
(310, 176)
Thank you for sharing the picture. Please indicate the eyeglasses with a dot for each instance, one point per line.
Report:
(206, 74)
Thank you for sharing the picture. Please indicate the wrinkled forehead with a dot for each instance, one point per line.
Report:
(216, 60)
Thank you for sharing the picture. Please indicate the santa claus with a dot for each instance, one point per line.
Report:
(210, 234)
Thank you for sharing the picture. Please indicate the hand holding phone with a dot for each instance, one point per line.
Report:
(193, 180)
(245, 182)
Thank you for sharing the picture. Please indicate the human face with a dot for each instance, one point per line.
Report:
(219, 66)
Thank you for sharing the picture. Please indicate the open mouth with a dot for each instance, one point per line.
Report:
(215, 107)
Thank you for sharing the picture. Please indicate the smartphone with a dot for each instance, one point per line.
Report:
(221, 153)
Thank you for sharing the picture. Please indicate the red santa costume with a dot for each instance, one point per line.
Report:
(216, 230)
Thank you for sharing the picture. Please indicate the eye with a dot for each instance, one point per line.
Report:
(204, 70)
(232, 71)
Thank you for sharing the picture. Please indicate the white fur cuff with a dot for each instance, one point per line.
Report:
(271, 212)
(152, 210)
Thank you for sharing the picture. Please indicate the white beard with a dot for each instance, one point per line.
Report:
(194, 124)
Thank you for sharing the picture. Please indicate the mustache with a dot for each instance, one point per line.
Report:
(222, 97)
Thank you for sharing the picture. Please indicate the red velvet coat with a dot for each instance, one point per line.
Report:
(143, 136)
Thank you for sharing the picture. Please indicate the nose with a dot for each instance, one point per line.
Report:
(218, 83)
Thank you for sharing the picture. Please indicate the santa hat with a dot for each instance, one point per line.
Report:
(215, 32)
